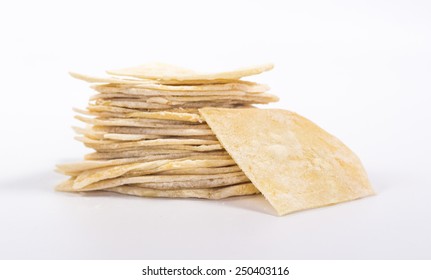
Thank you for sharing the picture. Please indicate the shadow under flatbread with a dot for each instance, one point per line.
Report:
(381, 180)
(255, 203)
(47, 180)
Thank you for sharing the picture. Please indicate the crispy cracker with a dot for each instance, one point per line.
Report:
(78, 167)
(208, 193)
(194, 171)
(213, 193)
(150, 154)
(243, 86)
(95, 175)
(165, 73)
(113, 80)
(293, 162)
(154, 131)
(170, 181)
(262, 98)
(150, 123)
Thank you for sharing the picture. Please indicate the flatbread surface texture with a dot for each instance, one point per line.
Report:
(294, 163)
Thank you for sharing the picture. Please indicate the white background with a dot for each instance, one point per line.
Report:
(359, 69)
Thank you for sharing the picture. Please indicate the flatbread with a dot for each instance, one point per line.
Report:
(213, 193)
(78, 167)
(95, 175)
(195, 171)
(150, 154)
(262, 98)
(240, 85)
(293, 162)
(160, 149)
(88, 132)
(133, 104)
(167, 181)
(100, 114)
(154, 131)
(208, 193)
(140, 92)
(112, 144)
(113, 80)
(168, 74)
(150, 123)
(110, 109)
(150, 84)
(101, 135)
(186, 117)
(113, 109)
(157, 115)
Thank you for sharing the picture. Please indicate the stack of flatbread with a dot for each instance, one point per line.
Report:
(164, 131)
(150, 139)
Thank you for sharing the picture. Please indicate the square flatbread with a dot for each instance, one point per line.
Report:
(294, 163)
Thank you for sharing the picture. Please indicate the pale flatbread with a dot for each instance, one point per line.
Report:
(150, 154)
(156, 115)
(150, 84)
(112, 144)
(217, 180)
(165, 73)
(169, 181)
(195, 171)
(150, 123)
(101, 114)
(130, 137)
(110, 109)
(186, 117)
(88, 177)
(88, 132)
(139, 92)
(100, 135)
(133, 104)
(160, 149)
(262, 98)
(294, 163)
(102, 108)
(113, 80)
(154, 131)
(209, 193)
(137, 137)
(243, 86)
(214, 193)
(78, 167)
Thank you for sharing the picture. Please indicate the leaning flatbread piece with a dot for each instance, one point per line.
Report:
(293, 162)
